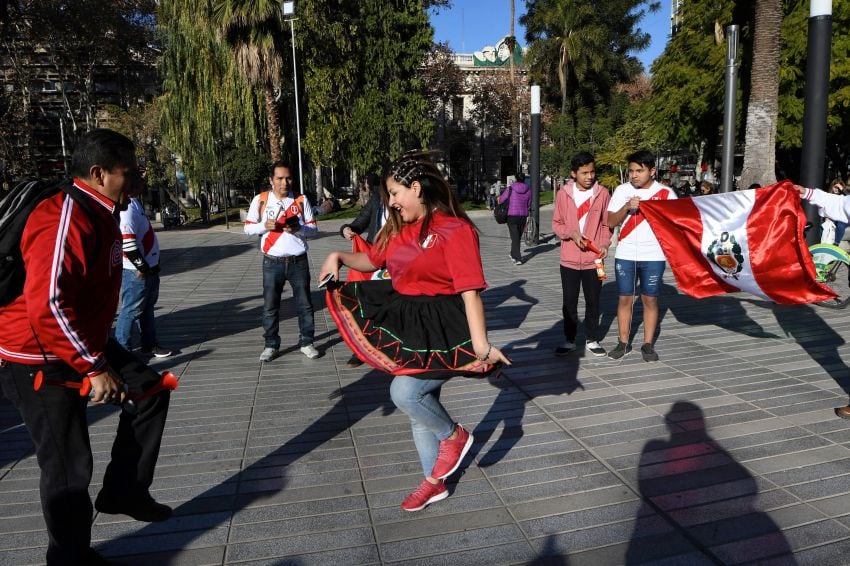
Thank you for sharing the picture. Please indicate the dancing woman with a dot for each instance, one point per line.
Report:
(427, 323)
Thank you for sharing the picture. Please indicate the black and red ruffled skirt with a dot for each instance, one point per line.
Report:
(405, 335)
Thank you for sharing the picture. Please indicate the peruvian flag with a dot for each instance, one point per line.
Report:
(358, 244)
(742, 241)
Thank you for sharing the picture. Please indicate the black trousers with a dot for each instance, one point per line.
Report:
(56, 419)
(516, 225)
(571, 280)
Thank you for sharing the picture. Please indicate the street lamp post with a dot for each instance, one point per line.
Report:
(288, 9)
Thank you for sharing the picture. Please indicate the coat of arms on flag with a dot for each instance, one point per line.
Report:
(741, 241)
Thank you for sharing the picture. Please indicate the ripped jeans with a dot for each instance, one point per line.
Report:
(639, 275)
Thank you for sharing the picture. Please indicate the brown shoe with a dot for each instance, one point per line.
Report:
(843, 412)
(353, 362)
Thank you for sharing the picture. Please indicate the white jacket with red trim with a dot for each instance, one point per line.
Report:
(71, 290)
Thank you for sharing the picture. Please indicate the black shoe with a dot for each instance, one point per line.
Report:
(566, 349)
(621, 350)
(353, 362)
(648, 352)
(93, 558)
(144, 509)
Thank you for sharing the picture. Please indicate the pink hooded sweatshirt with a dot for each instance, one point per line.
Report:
(565, 222)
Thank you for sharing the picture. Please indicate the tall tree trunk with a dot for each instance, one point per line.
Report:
(272, 123)
(763, 109)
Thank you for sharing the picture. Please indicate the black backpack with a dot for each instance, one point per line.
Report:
(15, 209)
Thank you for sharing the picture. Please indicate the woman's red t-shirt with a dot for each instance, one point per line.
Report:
(447, 262)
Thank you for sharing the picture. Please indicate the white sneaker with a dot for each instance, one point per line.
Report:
(310, 351)
(594, 348)
(268, 354)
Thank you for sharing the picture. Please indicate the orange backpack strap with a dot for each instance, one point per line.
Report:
(264, 198)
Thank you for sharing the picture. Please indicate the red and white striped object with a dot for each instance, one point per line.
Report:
(741, 241)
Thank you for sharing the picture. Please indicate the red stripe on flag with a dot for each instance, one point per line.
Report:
(780, 259)
(358, 245)
(678, 226)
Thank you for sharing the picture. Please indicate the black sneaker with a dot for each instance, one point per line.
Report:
(621, 350)
(566, 349)
(648, 352)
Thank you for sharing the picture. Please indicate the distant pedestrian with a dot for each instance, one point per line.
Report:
(495, 189)
(518, 196)
(425, 325)
(205, 208)
(283, 221)
(139, 281)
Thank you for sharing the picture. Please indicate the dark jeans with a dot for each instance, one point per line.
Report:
(516, 224)
(56, 420)
(276, 272)
(587, 279)
(840, 228)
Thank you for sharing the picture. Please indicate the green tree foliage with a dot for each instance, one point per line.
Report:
(204, 94)
(62, 59)
(792, 75)
(589, 46)
(688, 77)
(254, 31)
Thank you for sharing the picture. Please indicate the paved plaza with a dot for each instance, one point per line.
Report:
(726, 451)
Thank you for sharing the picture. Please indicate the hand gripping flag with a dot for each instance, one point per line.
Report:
(741, 241)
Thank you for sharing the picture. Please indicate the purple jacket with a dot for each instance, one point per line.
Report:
(520, 196)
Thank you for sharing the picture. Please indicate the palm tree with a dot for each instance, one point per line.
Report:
(568, 34)
(253, 29)
(763, 108)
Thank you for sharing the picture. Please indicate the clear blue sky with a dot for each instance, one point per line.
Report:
(469, 25)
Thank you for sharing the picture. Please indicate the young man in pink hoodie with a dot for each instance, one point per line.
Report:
(581, 222)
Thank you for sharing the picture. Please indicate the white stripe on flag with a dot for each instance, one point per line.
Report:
(729, 212)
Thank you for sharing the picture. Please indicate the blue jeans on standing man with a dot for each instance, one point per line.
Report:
(276, 272)
(419, 399)
(138, 299)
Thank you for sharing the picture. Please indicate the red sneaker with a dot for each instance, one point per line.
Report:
(426, 494)
(451, 453)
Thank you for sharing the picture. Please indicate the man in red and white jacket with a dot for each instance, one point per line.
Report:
(59, 327)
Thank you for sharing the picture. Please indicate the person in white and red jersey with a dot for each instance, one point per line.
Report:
(59, 327)
(283, 221)
(139, 282)
(639, 259)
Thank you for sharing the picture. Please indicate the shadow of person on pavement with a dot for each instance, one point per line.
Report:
(500, 315)
(216, 506)
(696, 496)
(183, 260)
(549, 555)
(519, 385)
(724, 311)
(814, 335)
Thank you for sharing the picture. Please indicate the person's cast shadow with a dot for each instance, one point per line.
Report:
(671, 474)
(261, 480)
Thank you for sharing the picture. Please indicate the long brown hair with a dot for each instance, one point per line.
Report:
(436, 194)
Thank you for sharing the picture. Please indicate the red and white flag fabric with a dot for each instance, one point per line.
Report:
(358, 244)
(741, 241)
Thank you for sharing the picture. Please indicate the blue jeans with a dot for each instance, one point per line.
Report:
(275, 275)
(138, 299)
(419, 399)
(643, 275)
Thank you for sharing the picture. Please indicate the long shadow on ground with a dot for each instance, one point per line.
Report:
(256, 483)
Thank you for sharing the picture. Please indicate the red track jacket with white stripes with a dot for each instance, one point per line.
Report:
(71, 290)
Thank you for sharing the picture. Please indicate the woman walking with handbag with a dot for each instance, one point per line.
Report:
(427, 323)
(518, 196)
